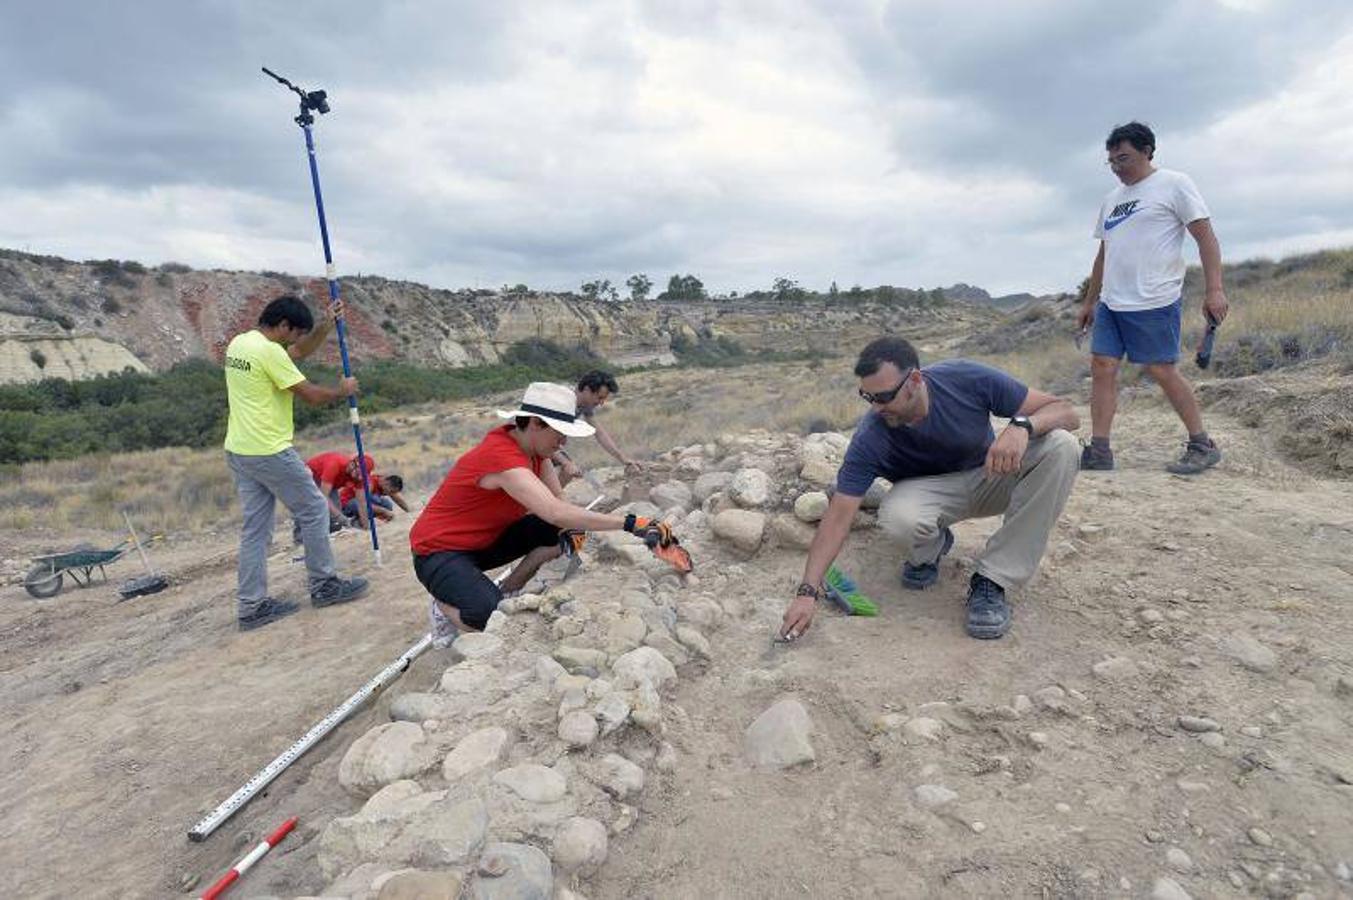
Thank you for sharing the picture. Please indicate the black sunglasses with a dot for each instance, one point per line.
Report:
(886, 397)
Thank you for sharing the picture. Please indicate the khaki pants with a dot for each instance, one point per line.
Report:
(917, 510)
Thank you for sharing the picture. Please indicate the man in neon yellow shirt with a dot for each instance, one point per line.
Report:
(261, 379)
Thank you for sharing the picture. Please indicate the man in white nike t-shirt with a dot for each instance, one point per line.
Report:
(1134, 295)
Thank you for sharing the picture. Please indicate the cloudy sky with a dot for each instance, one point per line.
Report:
(485, 142)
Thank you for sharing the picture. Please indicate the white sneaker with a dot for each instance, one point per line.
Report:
(444, 631)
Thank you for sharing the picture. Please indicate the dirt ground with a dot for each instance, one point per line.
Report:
(126, 722)
(1146, 566)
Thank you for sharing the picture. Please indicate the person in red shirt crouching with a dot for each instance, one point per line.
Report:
(386, 491)
(500, 501)
(335, 473)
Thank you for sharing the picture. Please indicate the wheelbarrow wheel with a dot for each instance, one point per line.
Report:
(42, 582)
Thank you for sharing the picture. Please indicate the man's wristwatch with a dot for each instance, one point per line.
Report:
(807, 590)
(1023, 422)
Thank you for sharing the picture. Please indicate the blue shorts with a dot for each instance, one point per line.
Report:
(1146, 336)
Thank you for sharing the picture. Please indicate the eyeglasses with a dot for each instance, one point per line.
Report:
(883, 398)
(1121, 159)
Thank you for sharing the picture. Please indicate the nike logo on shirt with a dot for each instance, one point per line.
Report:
(1120, 214)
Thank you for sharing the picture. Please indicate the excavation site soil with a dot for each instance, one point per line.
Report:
(1173, 708)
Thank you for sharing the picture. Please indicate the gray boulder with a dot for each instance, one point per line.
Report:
(533, 782)
(670, 494)
(779, 737)
(819, 471)
(417, 707)
(643, 665)
(385, 754)
(1249, 653)
(750, 488)
(579, 845)
(811, 506)
(791, 533)
(742, 528)
(477, 750)
(513, 872)
(709, 484)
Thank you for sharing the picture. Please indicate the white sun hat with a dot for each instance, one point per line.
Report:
(554, 404)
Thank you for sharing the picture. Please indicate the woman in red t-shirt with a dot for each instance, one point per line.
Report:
(501, 501)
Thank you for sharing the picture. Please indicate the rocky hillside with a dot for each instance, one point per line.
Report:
(171, 313)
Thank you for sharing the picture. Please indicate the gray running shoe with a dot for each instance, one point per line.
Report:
(1096, 461)
(1195, 459)
(444, 631)
(338, 590)
(268, 611)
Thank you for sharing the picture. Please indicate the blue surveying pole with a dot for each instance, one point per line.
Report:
(317, 101)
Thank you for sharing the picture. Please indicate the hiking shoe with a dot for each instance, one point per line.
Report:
(444, 631)
(338, 590)
(269, 610)
(988, 613)
(1096, 460)
(918, 578)
(1195, 459)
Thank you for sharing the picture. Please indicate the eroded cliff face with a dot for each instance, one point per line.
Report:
(161, 317)
(33, 358)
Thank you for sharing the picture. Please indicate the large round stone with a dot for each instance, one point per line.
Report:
(742, 528)
(579, 845)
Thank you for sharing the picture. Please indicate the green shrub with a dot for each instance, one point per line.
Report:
(110, 271)
(58, 419)
(707, 350)
(551, 357)
(39, 358)
(1250, 354)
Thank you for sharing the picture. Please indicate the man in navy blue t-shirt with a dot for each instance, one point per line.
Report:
(929, 432)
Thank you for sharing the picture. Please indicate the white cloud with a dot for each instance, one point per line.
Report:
(865, 142)
(205, 227)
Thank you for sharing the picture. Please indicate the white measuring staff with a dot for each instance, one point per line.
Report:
(232, 805)
(292, 753)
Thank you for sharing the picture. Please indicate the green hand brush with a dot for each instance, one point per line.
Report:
(844, 592)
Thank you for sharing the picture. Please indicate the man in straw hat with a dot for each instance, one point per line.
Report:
(501, 501)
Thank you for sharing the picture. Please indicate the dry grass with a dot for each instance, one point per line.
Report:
(659, 410)
(1057, 366)
(162, 490)
(1302, 292)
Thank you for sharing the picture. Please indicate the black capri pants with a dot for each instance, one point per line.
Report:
(456, 577)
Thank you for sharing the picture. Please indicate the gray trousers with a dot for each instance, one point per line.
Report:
(917, 510)
(261, 481)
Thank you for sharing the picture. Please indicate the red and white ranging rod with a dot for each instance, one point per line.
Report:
(252, 857)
